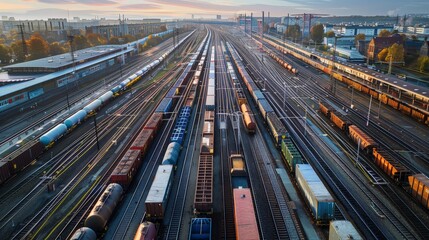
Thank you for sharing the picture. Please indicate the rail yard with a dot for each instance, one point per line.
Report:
(219, 134)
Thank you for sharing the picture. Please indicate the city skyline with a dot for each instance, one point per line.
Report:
(43, 9)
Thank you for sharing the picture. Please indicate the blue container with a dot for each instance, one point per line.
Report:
(116, 89)
(201, 228)
(177, 137)
(171, 154)
(239, 181)
(165, 105)
(171, 93)
(75, 118)
(265, 107)
(53, 134)
(258, 95)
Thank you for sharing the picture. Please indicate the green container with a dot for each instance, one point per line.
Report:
(291, 154)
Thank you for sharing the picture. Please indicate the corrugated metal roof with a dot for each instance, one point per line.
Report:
(6, 90)
(160, 184)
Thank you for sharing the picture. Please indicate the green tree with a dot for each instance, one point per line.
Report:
(359, 37)
(293, 31)
(18, 51)
(330, 34)
(5, 54)
(383, 54)
(384, 33)
(396, 51)
(316, 33)
(38, 47)
(56, 48)
(80, 42)
(423, 63)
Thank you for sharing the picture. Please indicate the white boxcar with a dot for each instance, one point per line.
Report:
(157, 197)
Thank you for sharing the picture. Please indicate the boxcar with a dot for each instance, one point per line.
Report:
(143, 141)
(246, 226)
(316, 195)
(157, 197)
(154, 122)
(343, 229)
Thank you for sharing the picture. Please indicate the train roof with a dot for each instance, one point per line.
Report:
(160, 184)
(245, 217)
(313, 182)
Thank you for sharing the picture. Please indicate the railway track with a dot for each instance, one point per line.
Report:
(379, 205)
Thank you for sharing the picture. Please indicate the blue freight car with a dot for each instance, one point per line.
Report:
(165, 105)
(201, 228)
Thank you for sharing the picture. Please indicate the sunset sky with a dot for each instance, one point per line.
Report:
(43, 9)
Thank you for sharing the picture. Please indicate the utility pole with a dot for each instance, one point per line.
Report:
(70, 38)
(96, 131)
(251, 20)
(24, 45)
(369, 111)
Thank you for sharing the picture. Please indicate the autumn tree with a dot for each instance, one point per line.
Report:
(330, 34)
(80, 42)
(18, 51)
(56, 48)
(396, 52)
(163, 28)
(359, 37)
(423, 63)
(5, 54)
(384, 33)
(316, 33)
(95, 39)
(38, 47)
(293, 31)
(383, 54)
(114, 40)
(129, 38)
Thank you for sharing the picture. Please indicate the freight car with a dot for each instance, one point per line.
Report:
(319, 199)
(238, 166)
(84, 233)
(200, 229)
(246, 226)
(343, 229)
(419, 188)
(203, 199)
(291, 154)
(103, 209)
(248, 119)
(361, 138)
(127, 167)
(146, 231)
(391, 166)
(157, 197)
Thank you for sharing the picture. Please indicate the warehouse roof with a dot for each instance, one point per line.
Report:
(63, 61)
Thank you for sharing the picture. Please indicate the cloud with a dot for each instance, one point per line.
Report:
(142, 6)
(85, 2)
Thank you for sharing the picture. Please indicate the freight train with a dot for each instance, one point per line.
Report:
(417, 184)
(124, 172)
(321, 202)
(20, 159)
(371, 82)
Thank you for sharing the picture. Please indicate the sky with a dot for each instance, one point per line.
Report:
(137, 9)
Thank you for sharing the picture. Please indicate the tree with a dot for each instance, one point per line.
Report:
(383, 54)
(317, 33)
(114, 40)
(129, 38)
(163, 28)
(330, 34)
(293, 31)
(359, 37)
(38, 47)
(384, 33)
(18, 51)
(423, 63)
(80, 42)
(95, 39)
(5, 54)
(396, 52)
(56, 48)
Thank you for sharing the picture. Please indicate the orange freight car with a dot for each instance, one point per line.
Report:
(366, 142)
(390, 166)
(324, 108)
(246, 226)
(248, 118)
(339, 120)
(419, 186)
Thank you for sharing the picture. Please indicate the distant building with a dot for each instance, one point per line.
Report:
(218, 17)
(379, 43)
(424, 50)
(122, 29)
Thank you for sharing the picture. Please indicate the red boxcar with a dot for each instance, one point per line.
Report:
(154, 121)
(126, 168)
(246, 226)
